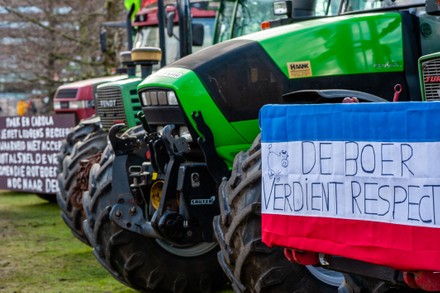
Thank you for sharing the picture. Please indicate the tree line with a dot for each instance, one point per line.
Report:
(46, 43)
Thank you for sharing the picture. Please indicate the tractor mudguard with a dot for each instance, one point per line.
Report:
(328, 96)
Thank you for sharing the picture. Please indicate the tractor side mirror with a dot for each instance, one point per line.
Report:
(170, 23)
(282, 8)
(294, 8)
(103, 39)
(198, 34)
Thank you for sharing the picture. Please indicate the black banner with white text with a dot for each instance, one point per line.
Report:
(29, 146)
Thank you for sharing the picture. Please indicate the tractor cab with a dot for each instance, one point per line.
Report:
(149, 33)
(241, 17)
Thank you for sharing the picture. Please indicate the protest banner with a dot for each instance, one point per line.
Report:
(355, 180)
(29, 146)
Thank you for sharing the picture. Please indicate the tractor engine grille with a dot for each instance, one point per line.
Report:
(431, 78)
(109, 106)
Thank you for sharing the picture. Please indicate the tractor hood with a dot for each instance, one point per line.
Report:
(231, 81)
(367, 43)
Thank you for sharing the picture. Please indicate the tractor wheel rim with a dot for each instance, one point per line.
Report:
(329, 277)
(190, 251)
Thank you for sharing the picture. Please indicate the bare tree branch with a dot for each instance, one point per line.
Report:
(45, 42)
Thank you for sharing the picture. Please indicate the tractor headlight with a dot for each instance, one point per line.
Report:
(146, 100)
(162, 98)
(158, 98)
(172, 99)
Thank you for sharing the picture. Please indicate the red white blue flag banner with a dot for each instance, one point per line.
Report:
(356, 180)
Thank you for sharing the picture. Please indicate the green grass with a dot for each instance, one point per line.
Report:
(38, 253)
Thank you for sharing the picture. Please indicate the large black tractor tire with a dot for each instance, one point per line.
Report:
(78, 133)
(145, 264)
(88, 141)
(249, 263)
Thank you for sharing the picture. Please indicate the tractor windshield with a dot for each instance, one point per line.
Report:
(250, 14)
(242, 17)
(148, 36)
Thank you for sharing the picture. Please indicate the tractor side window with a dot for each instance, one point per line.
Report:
(172, 45)
(149, 37)
(138, 39)
(225, 21)
(326, 7)
(146, 37)
(251, 14)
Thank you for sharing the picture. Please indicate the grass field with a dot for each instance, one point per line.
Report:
(38, 253)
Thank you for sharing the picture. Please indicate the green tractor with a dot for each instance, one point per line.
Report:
(133, 259)
(87, 139)
(116, 102)
(202, 176)
(117, 106)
